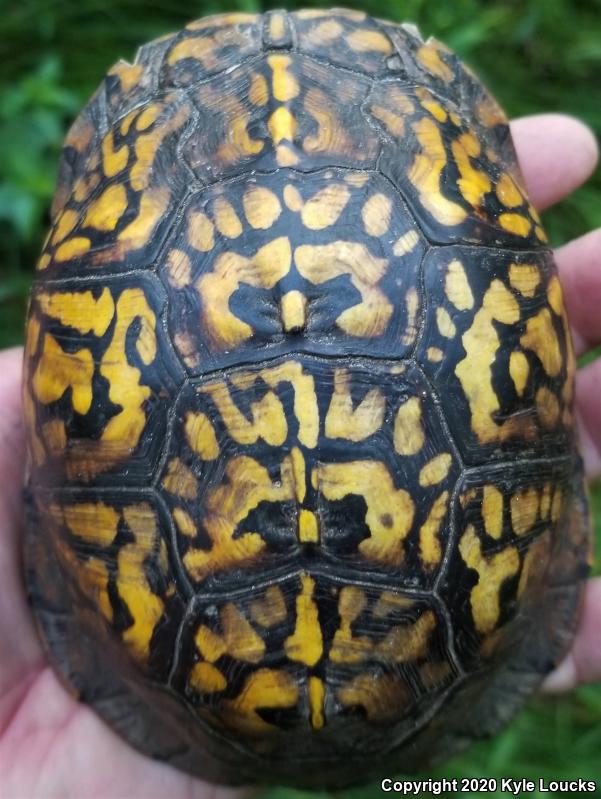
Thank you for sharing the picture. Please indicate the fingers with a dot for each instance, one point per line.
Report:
(583, 663)
(579, 264)
(19, 647)
(588, 392)
(557, 153)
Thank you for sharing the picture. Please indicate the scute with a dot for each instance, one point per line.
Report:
(303, 480)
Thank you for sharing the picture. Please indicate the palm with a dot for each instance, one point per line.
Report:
(52, 745)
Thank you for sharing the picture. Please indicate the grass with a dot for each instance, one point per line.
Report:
(536, 55)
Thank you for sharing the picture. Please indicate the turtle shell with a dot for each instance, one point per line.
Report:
(303, 478)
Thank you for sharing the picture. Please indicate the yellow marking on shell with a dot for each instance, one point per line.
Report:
(105, 212)
(541, 338)
(277, 26)
(285, 156)
(545, 501)
(58, 371)
(293, 198)
(122, 431)
(266, 268)
(149, 116)
(492, 572)
(540, 234)
(226, 219)
(129, 75)
(473, 183)
(263, 689)
(327, 31)
(201, 232)
(200, 435)
(35, 446)
(207, 679)
(353, 423)
(346, 647)
(434, 354)
(239, 640)
(282, 125)
(406, 243)
(258, 92)
(431, 105)
(524, 278)
(92, 574)
(376, 214)
(408, 642)
(305, 405)
(428, 56)
(408, 435)
(429, 542)
(390, 602)
(261, 207)
(436, 470)
(222, 21)
(557, 505)
(394, 124)
(390, 510)
(179, 269)
(324, 208)
(547, 405)
(72, 248)
(490, 113)
(179, 480)
(293, 310)
(457, 287)
(366, 41)
(238, 144)
(519, 371)
(43, 261)
(492, 511)
(153, 205)
(200, 48)
(270, 609)
(412, 306)
(64, 225)
(555, 296)
(331, 137)
(54, 434)
(308, 527)
(299, 469)
(384, 697)
(285, 84)
(305, 645)
(481, 344)
(267, 416)
(317, 695)
(185, 523)
(84, 186)
(444, 323)
(94, 522)
(245, 485)
(316, 13)
(426, 174)
(79, 310)
(507, 192)
(515, 223)
(127, 122)
(113, 161)
(524, 507)
(144, 606)
(320, 263)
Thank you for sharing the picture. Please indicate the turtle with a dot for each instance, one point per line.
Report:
(303, 484)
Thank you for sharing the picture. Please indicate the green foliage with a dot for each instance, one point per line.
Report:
(536, 55)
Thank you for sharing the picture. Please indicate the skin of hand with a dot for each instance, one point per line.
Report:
(51, 745)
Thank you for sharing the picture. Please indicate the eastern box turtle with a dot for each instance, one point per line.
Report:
(303, 487)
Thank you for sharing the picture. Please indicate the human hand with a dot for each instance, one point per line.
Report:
(50, 745)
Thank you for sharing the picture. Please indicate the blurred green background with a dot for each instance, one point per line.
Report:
(536, 55)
